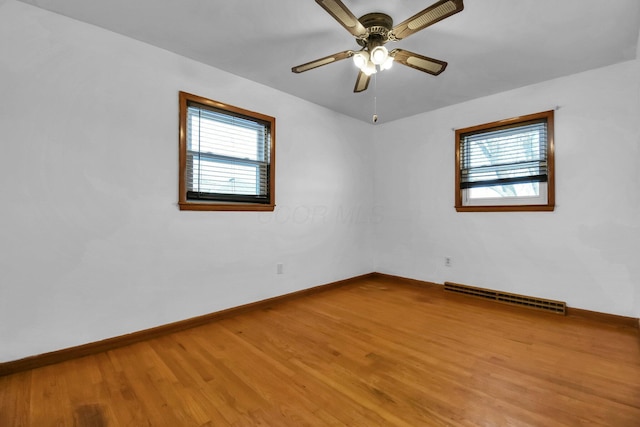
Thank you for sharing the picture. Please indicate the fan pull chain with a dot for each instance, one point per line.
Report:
(375, 99)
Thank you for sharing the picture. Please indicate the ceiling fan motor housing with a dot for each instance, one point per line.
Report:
(378, 27)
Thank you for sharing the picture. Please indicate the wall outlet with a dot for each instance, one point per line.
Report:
(279, 268)
(447, 261)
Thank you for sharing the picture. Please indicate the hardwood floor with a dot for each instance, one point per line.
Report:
(379, 352)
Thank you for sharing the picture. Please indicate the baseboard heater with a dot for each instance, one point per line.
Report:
(508, 298)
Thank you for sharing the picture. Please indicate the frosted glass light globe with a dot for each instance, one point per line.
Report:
(379, 55)
(361, 59)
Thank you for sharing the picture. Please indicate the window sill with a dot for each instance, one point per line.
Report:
(506, 208)
(208, 206)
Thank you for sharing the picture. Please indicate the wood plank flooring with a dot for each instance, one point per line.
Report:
(379, 352)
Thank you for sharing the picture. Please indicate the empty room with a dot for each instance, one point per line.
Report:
(319, 212)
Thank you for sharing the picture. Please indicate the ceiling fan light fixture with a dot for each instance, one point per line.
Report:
(369, 69)
(379, 55)
(361, 59)
(387, 64)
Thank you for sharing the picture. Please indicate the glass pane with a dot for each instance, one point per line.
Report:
(512, 154)
(225, 135)
(224, 178)
(504, 149)
(527, 189)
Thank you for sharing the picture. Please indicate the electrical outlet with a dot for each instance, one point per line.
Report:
(279, 268)
(447, 261)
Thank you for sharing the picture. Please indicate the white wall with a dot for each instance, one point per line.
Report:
(93, 244)
(585, 253)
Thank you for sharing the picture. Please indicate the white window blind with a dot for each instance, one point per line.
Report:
(227, 156)
(505, 157)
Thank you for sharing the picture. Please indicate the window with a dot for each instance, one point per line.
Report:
(506, 165)
(227, 157)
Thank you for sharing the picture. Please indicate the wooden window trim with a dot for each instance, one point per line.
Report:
(550, 205)
(183, 202)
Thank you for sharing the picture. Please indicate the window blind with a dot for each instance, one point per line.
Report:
(503, 156)
(227, 156)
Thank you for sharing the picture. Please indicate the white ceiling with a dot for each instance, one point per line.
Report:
(491, 46)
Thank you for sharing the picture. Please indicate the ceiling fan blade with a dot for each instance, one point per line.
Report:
(421, 20)
(322, 61)
(362, 82)
(419, 62)
(343, 15)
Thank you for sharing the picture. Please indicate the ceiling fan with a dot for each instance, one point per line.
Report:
(373, 30)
